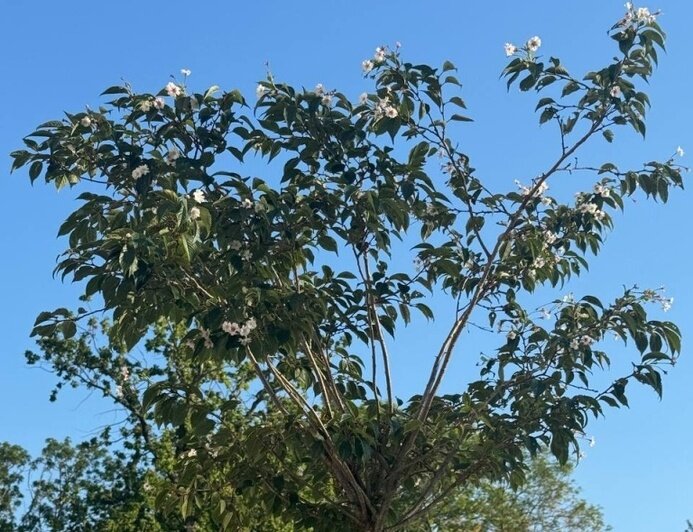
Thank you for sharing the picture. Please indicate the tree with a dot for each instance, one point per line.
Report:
(292, 276)
(549, 500)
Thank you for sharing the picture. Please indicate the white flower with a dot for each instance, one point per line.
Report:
(172, 155)
(159, 103)
(260, 90)
(679, 151)
(546, 201)
(173, 90)
(550, 237)
(667, 303)
(533, 44)
(600, 215)
(195, 213)
(251, 323)
(119, 392)
(510, 49)
(539, 263)
(141, 170)
(588, 208)
(248, 204)
(390, 112)
(124, 372)
(379, 55)
(186, 72)
(245, 255)
(231, 328)
(86, 122)
(367, 66)
(363, 98)
(245, 330)
(628, 6)
(593, 442)
(192, 453)
(244, 340)
(574, 344)
(568, 298)
(145, 106)
(586, 340)
(235, 245)
(512, 335)
(615, 91)
(642, 14)
(199, 195)
(319, 89)
(327, 99)
(602, 191)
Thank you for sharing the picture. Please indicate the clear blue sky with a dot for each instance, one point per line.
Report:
(60, 55)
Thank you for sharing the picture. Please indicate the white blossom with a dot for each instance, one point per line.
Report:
(235, 245)
(391, 112)
(141, 170)
(260, 90)
(533, 44)
(86, 122)
(145, 106)
(679, 151)
(231, 328)
(568, 298)
(247, 203)
(192, 453)
(199, 195)
(172, 155)
(574, 344)
(667, 303)
(602, 191)
(593, 441)
(246, 255)
(510, 49)
(586, 340)
(244, 340)
(319, 89)
(615, 91)
(185, 71)
(124, 373)
(327, 99)
(173, 90)
(642, 14)
(512, 335)
(119, 391)
(251, 324)
(379, 55)
(550, 237)
(195, 213)
(159, 103)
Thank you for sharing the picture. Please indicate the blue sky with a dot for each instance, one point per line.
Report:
(60, 55)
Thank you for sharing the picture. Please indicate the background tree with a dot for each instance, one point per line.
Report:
(170, 229)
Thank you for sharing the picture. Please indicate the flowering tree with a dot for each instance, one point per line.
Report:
(292, 275)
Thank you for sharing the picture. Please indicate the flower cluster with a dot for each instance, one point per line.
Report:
(584, 341)
(243, 331)
(385, 108)
(540, 190)
(657, 297)
(641, 15)
(140, 171)
(369, 64)
(531, 46)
